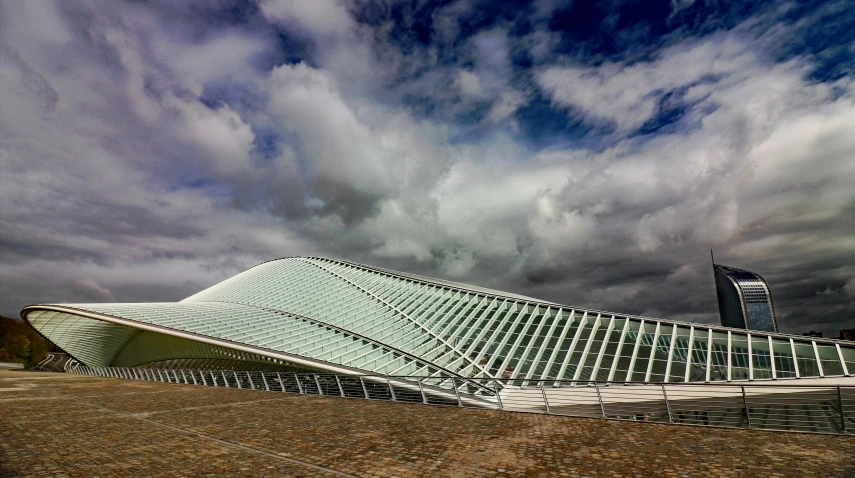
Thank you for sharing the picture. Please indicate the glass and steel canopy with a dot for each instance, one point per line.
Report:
(318, 314)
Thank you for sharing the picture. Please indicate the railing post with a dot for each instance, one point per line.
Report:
(391, 390)
(237, 379)
(745, 404)
(185, 377)
(456, 392)
(281, 384)
(498, 395)
(545, 401)
(193, 376)
(842, 411)
(364, 390)
(422, 391)
(667, 404)
(249, 377)
(340, 389)
(299, 385)
(318, 384)
(600, 398)
(160, 375)
(225, 380)
(264, 379)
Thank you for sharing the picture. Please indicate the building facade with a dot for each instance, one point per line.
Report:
(744, 300)
(324, 315)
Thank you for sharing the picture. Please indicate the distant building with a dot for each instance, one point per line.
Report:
(813, 333)
(744, 300)
(847, 334)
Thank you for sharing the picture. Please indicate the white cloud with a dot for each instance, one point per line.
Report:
(221, 134)
(469, 84)
(628, 95)
(120, 179)
(325, 17)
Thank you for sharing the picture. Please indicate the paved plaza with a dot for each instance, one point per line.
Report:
(71, 425)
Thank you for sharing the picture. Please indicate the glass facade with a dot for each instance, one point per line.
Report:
(316, 314)
(744, 300)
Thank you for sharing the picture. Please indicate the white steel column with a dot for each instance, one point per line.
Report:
(619, 349)
(652, 351)
(772, 358)
(795, 359)
(542, 348)
(530, 345)
(496, 332)
(559, 342)
(709, 354)
(671, 353)
(750, 359)
(818, 361)
(689, 357)
(729, 360)
(582, 324)
(505, 339)
(842, 362)
(602, 350)
(635, 351)
(531, 341)
(481, 334)
(587, 348)
(517, 342)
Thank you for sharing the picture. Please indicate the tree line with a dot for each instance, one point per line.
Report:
(20, 343)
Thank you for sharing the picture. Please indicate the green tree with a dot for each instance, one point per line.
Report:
(24, 348)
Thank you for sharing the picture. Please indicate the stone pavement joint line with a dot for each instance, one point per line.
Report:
(93, 426)
(224, 442)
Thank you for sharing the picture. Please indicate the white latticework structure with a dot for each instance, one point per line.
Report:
(322, 315)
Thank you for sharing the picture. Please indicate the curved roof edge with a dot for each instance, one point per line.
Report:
(295, 359)
(534, 301)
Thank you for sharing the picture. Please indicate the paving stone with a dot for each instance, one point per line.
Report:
(66, 425)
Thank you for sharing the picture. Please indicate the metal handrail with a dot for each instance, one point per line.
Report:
(803, 408)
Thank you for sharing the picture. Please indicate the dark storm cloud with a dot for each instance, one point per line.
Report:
(585, 153)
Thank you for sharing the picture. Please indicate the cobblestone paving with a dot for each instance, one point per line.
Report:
(68, 425)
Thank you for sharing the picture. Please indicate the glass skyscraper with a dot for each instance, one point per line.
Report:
(744, 300)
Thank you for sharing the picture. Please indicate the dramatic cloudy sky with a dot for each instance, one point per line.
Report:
(590, 153)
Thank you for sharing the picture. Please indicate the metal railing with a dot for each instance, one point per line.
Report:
(801, 408)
